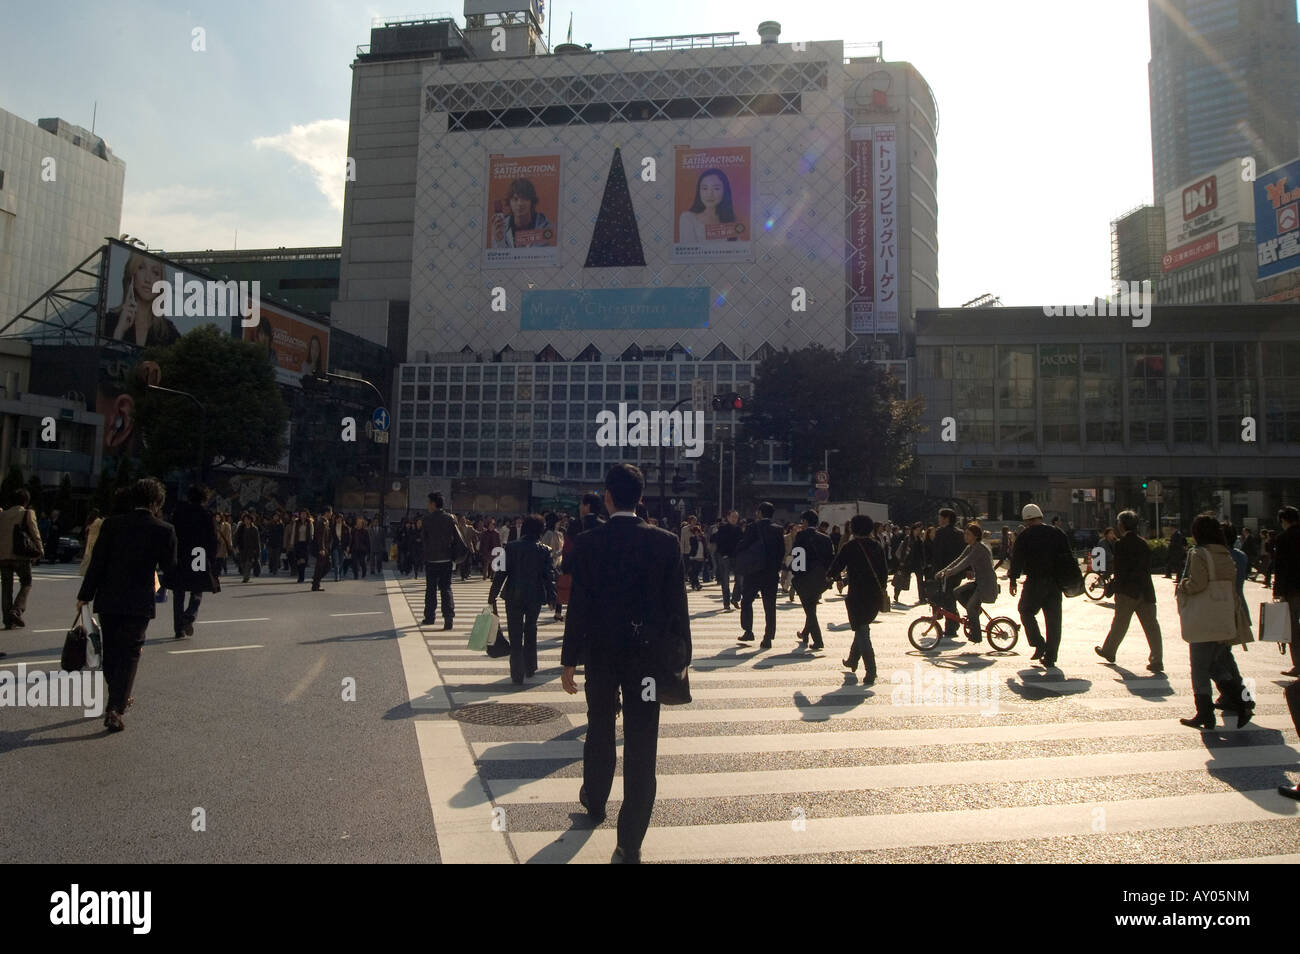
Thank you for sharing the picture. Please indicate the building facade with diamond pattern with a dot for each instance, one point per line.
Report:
(515, 339)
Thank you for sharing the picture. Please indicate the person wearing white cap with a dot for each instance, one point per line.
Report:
(1039, 554)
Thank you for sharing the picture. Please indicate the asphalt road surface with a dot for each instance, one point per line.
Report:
(958, 756)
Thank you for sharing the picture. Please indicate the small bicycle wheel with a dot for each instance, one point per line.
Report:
(1002, 633)
(925, 633)
(1094, 585)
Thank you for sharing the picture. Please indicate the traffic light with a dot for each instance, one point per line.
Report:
(1145, 484)
(729, 401)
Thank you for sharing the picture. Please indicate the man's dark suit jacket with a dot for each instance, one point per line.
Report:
(589, 522)
(948, 545)
(620, 567)
(771, 538)
(527, 574)
(1286, 562)
(1133, 568)
(131, 546)
(193, 525)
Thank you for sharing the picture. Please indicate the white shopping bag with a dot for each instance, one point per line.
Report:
(1275, 622)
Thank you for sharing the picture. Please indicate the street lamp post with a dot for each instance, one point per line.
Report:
(383, 487)
(203, 426)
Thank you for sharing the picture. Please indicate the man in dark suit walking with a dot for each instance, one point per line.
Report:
(443, 546)
(120, 580)
(767, 536)
(196, 554)
(1286, 573)
(628, 612)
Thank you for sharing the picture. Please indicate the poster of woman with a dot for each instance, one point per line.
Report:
(712, 192)
(296, 347)
(522, 211)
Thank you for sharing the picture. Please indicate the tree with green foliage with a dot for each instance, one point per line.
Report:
(37, 493)
(234, 381)
(816, 400)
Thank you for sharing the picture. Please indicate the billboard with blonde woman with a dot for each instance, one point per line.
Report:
(522, 211)
(712, 193)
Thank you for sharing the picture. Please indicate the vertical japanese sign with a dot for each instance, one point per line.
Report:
(1277, 220)
(885, 201)
(861, 259)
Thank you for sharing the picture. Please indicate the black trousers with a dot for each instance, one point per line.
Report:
(10, 603)
(181, 615)
(1047, 599)
(521, 629)
(437, 580)
(322, 567)
(756, 584)
(123, 640)
(948, 600)
(810, 593)
(300, 557)
(272, 559)
(640, 748)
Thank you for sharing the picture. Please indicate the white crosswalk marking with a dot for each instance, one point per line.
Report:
(784, 754)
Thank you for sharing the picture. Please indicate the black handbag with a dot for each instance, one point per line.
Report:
(73, 658)
(25, 548)
(1069, 576)
(499, 648)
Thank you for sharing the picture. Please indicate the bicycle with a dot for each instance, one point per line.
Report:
(924, 633)
(1095, 583)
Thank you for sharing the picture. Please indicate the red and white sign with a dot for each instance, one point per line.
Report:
(1191, 252)
(1200, 197)
(1207, 204)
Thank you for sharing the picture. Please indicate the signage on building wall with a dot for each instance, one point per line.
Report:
(1206, 204)
(873, 230)
(523, 211)
(712, 204)
(614, 309)
(861, 258)
(1189, 253)
(1277, 220)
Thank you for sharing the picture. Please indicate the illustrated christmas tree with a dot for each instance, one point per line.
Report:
(616, 240)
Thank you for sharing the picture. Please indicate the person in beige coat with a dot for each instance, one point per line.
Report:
(10, 564)
(1210, 582)
(92, 534)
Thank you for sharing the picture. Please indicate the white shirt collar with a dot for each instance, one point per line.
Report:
(624, 513)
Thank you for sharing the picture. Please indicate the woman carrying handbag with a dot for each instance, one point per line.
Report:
(864, 561)
(1207, 610)
(525, 581)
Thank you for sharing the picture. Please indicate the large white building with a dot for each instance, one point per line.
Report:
(544, 235)
(60, 196)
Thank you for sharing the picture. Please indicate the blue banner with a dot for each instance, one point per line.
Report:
(1277, 220)
(615, 309)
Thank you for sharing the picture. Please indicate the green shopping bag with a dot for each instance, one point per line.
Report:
(486, 626)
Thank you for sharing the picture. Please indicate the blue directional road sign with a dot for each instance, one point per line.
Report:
(380, 418)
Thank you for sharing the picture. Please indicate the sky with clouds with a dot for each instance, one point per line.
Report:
(1044, 123)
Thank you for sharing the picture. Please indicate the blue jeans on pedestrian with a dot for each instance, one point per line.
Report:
(722, 565)
(338, 562)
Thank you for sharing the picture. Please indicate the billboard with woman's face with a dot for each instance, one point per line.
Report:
(298, 348)
(712, 193)
(522, 211)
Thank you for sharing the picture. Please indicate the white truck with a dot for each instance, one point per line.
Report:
(838, 514)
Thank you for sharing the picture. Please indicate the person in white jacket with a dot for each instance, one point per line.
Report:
(984, 588)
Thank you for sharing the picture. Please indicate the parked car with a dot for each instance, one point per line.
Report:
(68, 550)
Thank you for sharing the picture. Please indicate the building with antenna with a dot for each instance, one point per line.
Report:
(538, 234)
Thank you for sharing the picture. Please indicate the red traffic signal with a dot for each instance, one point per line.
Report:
(729, 401)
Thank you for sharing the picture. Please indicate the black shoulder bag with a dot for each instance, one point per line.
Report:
(25, 548)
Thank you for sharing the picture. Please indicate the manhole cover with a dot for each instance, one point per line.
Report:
(505, 713)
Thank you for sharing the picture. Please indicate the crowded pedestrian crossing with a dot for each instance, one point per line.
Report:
(964, 754)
